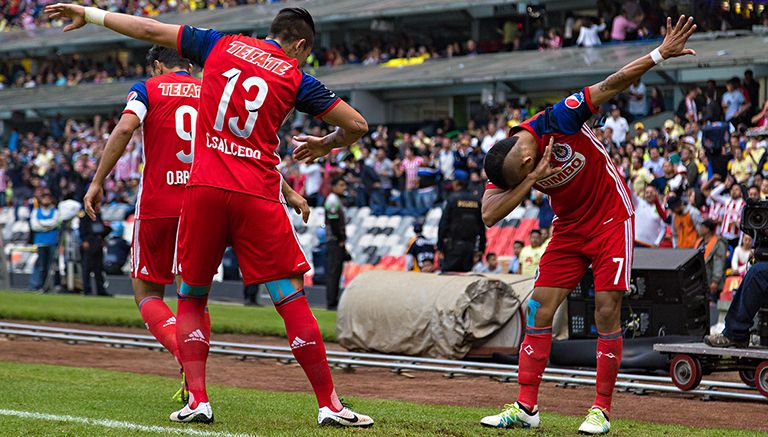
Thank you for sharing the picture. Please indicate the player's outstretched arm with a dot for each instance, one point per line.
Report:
(145, 29)
(498, 203)
(350, 127)
(114, 149)
(673, 46)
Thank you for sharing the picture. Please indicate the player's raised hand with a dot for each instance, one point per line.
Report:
(76, 13)
(674, 43)
(308, 148)
(92, 200)
(544, 169)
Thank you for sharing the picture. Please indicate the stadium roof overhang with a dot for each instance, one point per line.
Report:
(328, 14)
(520, 72)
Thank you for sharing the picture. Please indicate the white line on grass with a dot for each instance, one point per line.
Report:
(117, 424)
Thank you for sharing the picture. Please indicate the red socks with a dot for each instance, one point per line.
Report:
(193, 336)
(609, 348)
(161, 322)
(534, 354)
(308, 349)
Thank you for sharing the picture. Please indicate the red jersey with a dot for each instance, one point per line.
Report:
(249, 88)
(588, 193)
(167, 108)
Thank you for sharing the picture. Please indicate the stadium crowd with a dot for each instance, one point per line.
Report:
(689, 177)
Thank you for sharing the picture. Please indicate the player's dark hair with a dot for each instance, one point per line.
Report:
(168, 57)
(291, 24)
(494, 162)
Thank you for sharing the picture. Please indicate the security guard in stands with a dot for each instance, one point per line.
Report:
(461, 234)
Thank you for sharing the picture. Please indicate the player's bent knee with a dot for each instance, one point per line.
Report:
(283, 291)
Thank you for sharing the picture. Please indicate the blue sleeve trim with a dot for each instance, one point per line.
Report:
(313, 97)
(139, 92)
(196, 43)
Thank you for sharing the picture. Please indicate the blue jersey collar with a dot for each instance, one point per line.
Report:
(182, 72)
(274, 43)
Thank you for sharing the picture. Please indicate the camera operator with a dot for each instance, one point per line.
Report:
(752, 294)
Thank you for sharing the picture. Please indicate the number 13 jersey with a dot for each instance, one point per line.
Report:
(166, 105)
(249, 88)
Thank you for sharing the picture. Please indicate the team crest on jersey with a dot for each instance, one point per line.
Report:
(574, 101)
(133, 95)
(562, 152)
(568, 171)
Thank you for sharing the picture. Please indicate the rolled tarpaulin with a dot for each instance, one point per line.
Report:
(424, 314)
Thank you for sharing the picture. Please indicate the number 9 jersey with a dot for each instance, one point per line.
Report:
(166, 105)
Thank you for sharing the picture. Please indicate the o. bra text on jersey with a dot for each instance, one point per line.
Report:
(258, 57)
(230, 147)
(177, 177)
(179, 89)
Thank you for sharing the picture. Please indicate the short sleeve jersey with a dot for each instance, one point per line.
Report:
(249, 88)
(588, 193)
(166, 105)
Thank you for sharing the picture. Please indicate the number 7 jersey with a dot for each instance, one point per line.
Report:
(166, 105)
(249, 88)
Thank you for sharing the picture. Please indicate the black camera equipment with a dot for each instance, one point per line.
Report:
(754, 222)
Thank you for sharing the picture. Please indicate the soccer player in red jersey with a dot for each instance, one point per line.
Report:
(557, 153)
(233, 195)
(165, 107)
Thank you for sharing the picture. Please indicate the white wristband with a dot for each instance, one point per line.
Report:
(656, 56)
(95, 15)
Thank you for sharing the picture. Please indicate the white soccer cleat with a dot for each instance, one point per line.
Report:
(595, 423)
(202, 414)
(513, 416)
(345, 417)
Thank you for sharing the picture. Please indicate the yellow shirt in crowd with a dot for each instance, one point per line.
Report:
(529, 259)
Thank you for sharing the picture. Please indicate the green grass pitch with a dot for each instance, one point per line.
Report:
(122, 311)
(108, 396)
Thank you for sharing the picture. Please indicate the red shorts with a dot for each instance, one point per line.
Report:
(568, 256)
(259, 231)
(153, 250)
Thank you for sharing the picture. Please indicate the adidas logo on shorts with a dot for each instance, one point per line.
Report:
(196, 335)
(299, 343)
(144, 270)
(169, 322)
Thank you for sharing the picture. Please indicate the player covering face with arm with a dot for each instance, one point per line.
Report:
(557, 153)
(233, 194)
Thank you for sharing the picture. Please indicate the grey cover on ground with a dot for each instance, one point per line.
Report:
(425, 314)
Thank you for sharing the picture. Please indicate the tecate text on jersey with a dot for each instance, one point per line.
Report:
(230, 147)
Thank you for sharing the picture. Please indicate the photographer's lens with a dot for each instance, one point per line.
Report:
(757, 220)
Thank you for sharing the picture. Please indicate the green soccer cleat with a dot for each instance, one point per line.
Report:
(595, 423)
(513, 416)
(182, 395)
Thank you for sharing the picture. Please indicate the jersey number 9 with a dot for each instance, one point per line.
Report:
(181, 114)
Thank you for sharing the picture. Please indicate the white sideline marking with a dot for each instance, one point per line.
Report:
(116, 424)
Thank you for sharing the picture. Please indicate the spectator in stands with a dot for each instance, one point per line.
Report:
(621, 26)
(514, 262)
(685, 223)
(712, 110)
(656, 104)
(619, 126)
(752, 88)
(383, 168)
(491, 265)
(409, 167)
(689, 108)
(761, 118)
(493, 136)
(641, 136)
(92, 233)
(715, 257)
(729, 215)
(531, 255)
(461, 233)
(650, 225)
(655, 163)
(510, 35)
(336, 238)
(420, 254)
(739, 166)
(638, 106)
(45, 223)
(313, 174)
(741, 256)
(735, 105)
(589, 33)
